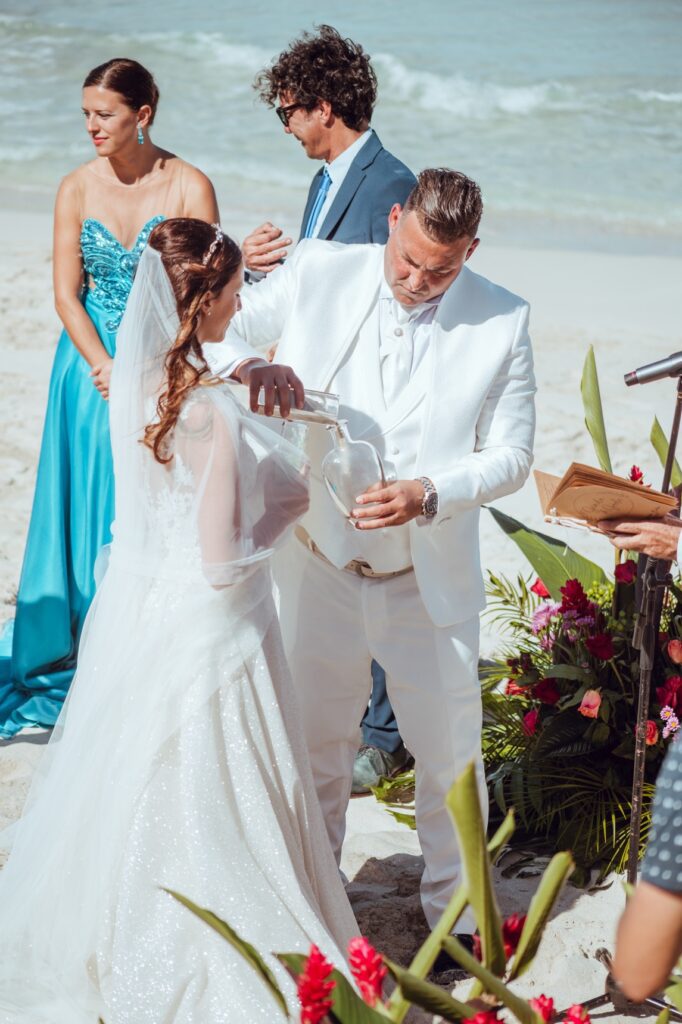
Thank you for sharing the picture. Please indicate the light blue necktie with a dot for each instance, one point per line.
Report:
(325, 184)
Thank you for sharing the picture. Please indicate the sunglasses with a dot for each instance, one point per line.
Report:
(284, 113)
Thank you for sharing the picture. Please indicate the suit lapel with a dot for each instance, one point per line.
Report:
(349, 186)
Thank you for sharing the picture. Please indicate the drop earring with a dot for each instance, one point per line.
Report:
(140, 136)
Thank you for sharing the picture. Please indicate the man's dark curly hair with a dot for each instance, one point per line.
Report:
(324, 66)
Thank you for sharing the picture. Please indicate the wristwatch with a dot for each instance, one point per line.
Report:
(430, 499)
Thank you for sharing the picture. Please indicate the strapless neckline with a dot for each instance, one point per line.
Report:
(112, 236)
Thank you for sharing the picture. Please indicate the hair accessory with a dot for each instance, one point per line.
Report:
(140, 136)
(214, 244)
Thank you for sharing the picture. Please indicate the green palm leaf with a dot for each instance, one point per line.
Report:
(594, 413)
(553, 561)
(660, 443)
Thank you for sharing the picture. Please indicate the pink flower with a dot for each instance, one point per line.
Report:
(675, 651)
(670, 693)
(544, 1007)
(546, 691)
(540, 589)
(368, 969)
(511, 933)
(651, 733)
(576, 1014)
(636, 475)
(314, 988)
(590, 704)
(543, 615)
(513, 689)
(484, 1017)
(672, 722)
(626, 572)
(530, 722)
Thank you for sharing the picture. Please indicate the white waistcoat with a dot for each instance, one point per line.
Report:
(394, 432)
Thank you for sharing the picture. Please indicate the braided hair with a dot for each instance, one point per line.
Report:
(199, 261)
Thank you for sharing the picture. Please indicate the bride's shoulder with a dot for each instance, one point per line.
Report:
(207, 409)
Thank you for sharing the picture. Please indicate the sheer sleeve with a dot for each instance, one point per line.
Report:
(207, 444)
(285, 499)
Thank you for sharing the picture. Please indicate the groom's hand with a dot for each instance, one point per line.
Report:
(264, 249)
(277, 382)
(393, 505)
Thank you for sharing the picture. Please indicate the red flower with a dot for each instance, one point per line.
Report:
(576, 1014)
(546, 691)
(540, 589)
(626, 572)
(544, 1007)
(511, 933)
(601, 646)
(367, 967)
(513, 689)
(484, 1017)
(314, 988)
(651, 733)
(675, 651)
(636, 475)
(574, 598)
(530, 722)
(670, 693)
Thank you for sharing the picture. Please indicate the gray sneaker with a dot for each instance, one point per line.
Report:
(373, 763)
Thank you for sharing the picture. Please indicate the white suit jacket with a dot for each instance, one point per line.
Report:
(476, 432)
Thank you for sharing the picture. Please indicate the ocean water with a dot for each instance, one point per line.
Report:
(569, 115)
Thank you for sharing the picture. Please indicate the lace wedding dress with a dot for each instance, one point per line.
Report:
(178, 759)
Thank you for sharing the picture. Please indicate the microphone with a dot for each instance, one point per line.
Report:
(671, 366)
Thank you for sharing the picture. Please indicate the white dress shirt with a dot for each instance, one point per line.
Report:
(404, 334)
(338, 169)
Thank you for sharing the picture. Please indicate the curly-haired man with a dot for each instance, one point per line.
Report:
(324, 90)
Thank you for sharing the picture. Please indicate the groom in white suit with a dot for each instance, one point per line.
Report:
(433, 366)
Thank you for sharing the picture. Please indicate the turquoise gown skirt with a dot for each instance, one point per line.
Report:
(71, 520)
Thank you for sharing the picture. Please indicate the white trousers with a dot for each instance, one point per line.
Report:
(333, 624)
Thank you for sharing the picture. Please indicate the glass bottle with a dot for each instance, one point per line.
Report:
(320, 407)
(350, 469)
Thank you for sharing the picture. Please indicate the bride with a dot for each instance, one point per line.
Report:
(178, 759)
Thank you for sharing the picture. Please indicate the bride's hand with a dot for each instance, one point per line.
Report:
(101, 375)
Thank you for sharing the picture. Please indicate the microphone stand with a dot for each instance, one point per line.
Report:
(655, 580)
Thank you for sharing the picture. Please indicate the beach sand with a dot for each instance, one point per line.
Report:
(626, 306)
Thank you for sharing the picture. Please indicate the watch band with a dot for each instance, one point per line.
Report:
(430, 499)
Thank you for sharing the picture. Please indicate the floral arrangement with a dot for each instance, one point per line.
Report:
(560, 705)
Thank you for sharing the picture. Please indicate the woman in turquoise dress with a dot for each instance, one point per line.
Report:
(104, 213)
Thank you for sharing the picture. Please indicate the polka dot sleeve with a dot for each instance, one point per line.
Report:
(663, 859)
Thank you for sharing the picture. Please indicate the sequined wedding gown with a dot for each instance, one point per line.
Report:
(178, 759)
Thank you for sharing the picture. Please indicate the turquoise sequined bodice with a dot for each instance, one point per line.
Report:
(110, 266)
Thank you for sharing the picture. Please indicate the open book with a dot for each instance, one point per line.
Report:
(584, 495)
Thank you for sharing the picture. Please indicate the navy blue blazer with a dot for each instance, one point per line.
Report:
(374, 182)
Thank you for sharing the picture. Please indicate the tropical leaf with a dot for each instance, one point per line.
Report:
(674, 992)
(542, 904)
(249, 952)
(594, 413)
(464, 805)
(429, 996)
(347, 1006)
(661, 443)
(490, 982)
(557, 733)
(553, 561)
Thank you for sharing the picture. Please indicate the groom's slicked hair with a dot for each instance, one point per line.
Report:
(448, 205)
(324, 66)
